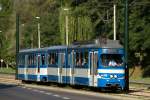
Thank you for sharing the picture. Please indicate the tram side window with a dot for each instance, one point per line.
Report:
(95, 63)
(29, 63)
(34, 59)
(53, 58)
(69, 59)
(43, 59)
(81, 59)
(19, 60)
(62, 59)
(38, 60)
(27, 60)
(22, 60)
(30, 60)
(85, 61)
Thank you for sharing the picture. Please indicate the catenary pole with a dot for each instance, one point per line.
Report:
(17, 42)
(126, 38)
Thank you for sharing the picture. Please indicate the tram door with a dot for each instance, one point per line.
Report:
(38, 66)
(93, 67)
(71, 62)
(62, 68)
(26, 68)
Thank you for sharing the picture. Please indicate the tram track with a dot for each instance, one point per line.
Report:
(134, 92)
(11, 77)
(144, 84)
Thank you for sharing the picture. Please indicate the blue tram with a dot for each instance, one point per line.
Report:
(97, 65)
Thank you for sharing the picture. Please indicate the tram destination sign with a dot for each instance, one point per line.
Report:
(112, 51)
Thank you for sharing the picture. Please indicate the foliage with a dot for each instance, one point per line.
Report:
(6, 23)
(88, 19)
(139, 37)
(79, 25)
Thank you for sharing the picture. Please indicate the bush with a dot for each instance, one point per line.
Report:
(146, 71)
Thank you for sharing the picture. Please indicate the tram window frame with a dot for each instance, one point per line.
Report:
(81, 59)
(95, 63)
(108, 60)
(31, 59)
(38, 60)
(52, 58)
(69, 58)
(43, 59)
(28, 60)
(19, 60)
(22, 60)
(63, 59)
(35, 59)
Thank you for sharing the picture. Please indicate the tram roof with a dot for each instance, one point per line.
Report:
(96, 44)
(43, 49)
(99, 44)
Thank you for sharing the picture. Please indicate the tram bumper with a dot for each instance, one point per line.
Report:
(111, 83)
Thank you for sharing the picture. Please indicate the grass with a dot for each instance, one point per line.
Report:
(8, 70)
(136, 74)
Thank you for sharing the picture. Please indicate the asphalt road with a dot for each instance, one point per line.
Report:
(13, 92)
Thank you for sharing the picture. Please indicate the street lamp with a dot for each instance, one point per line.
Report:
(1, 32)
(0, 7)
(39, 42)
(1, 59)
(1, 63)
(114, 21)
(67, 31)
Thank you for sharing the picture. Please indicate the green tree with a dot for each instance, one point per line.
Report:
(6, 15)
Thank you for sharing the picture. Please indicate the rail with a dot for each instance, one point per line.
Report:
(145, 84)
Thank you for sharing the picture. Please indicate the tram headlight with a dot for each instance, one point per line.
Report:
(101, 76)
(115, 76)
(111, 76)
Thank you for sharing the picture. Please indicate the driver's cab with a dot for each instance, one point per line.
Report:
(111, 60)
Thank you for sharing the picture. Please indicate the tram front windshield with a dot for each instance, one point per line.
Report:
(112, 60)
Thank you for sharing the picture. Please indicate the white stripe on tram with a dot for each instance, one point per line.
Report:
(121, 71)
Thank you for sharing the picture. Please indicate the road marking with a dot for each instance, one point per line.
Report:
(29, 88)
(66, 98)
(24, 87)
(56, 95)
(35, 90)
(48, 93)
(41, 91)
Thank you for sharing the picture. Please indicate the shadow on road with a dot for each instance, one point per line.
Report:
(6, 86)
